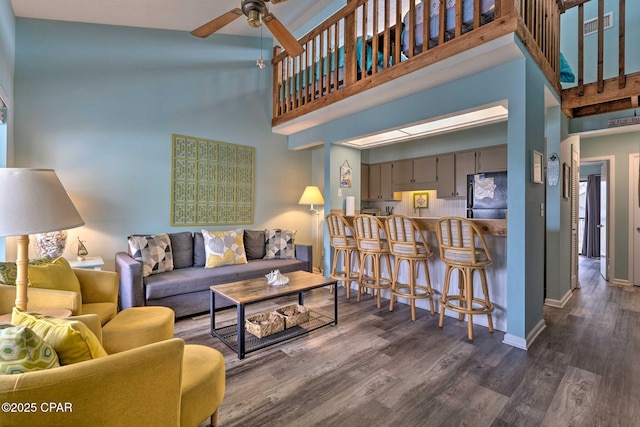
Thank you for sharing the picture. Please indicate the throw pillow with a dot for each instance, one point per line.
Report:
(254, 244)
(72, 340)
(154, 252)
(224, 247)
(9, 270)
(56, 275)
(280, 244)
(22, 350)
(182, 249)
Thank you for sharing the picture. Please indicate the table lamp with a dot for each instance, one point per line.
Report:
(313, 196)
(34, 201)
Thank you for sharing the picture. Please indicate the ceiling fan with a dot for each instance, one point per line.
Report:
(256, 12)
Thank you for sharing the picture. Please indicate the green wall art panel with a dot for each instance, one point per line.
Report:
(212, 182)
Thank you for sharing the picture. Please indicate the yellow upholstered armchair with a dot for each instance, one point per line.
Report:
(164, 383)
(140, 376)
(99, 295)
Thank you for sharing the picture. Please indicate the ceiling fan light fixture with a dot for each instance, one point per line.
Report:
(254, 18)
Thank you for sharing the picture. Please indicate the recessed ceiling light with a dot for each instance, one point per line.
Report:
(448, 124)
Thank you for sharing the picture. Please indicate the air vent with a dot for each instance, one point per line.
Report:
(591, 26)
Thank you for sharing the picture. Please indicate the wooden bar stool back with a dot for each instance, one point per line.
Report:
(408, 244)
(463, 248)
(374, 249)
(344, 244)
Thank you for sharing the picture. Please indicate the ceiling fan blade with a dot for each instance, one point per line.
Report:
(212, 26)
(286, 39)
(277, 1)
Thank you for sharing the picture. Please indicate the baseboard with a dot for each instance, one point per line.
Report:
(525, 343)
(620, 282)
(561, 302)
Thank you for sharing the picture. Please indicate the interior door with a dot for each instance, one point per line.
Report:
(634, 199)
(604, 194)
(575, 196)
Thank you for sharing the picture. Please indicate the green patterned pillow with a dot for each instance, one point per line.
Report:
(21, 350)
(9, 270)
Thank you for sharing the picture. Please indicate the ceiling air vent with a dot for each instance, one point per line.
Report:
(591, 26)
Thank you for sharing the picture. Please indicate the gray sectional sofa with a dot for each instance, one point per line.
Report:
(185, 289)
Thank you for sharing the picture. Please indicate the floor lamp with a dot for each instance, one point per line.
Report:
(313, 196)
(34, 201)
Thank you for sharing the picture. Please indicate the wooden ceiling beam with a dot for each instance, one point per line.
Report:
(571, 98)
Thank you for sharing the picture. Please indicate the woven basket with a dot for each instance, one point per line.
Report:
(264, 324)
(293, 315)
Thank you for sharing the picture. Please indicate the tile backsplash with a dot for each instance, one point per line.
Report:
(437, 207)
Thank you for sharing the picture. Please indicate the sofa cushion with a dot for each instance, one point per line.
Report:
(71, 339)
(154, 252)
(194, 279)
(56, 275)
(224, 247)
(280, 244)
(182, 249)
(254, 244)
(22, 350)
(199, 255)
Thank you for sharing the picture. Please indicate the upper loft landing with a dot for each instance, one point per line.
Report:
(372, 52)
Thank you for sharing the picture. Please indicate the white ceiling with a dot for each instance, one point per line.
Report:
(183, 15)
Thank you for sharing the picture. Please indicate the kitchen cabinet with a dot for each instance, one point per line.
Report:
(453, 169)
(364, 181)
(492, 159)
(415, 174)
(380, 182)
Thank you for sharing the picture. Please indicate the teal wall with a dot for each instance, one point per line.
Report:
(619, 146)
(7, 65)
(99, 104)
(569, 47)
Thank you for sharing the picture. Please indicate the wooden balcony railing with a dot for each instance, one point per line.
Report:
(366, 44)
(601, 95)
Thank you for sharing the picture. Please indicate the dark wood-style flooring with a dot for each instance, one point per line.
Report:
(378, 368)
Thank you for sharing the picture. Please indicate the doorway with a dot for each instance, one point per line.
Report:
(594, 208)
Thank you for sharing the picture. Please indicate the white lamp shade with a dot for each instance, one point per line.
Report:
(34, 201)
(311, 196)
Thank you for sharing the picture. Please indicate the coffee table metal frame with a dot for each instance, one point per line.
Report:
(235, 336)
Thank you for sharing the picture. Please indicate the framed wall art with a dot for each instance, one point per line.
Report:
(566, 180)
(420, 200)
(536, 167)
(345, 175)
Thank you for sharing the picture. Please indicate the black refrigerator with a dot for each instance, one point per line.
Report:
(487, 195)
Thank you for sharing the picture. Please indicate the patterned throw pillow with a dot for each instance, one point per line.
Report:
(154, 252)
(9, 270)
(224, 247)
(280, 244)
(21, 350)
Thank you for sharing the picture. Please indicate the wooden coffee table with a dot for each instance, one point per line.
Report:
(256, 290)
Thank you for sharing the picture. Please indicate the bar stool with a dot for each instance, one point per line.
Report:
(407, 243)
(373, 247)
(463, 248)
(343, 241)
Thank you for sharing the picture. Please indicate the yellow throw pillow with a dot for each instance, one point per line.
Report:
(56, 275)
(224, 247)
(72, 340)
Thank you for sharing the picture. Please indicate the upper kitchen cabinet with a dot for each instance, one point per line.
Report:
(415, 174)
(453, 169)
(492, 159)
(364, 182)
(381, 182)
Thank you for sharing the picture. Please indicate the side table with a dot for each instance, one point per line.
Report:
(90, 262)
